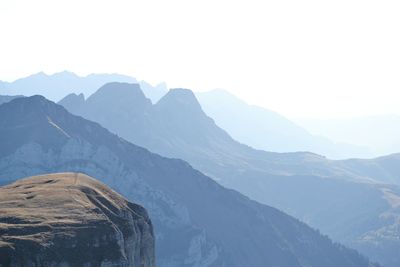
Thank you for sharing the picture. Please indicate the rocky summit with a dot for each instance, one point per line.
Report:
(70, 219)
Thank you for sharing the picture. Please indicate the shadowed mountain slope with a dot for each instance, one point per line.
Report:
(341, 198)
(196, 221)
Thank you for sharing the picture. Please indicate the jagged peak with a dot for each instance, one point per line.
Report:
(72, 96)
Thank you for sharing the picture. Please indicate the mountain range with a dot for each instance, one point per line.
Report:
(264, 129)
(57, 85)
(353, 201)
(197, 222)
(252, 125)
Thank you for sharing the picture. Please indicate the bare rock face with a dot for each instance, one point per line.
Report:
(70, 219)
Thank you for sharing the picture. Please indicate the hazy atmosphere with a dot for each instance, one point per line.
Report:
(199, 133)
(303, 59)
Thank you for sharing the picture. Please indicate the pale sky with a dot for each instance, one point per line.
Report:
(300, 58)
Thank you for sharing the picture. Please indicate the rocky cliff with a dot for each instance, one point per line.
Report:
(70, 219)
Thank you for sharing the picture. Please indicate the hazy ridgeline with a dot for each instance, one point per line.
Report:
(252, 125)
(353, 201)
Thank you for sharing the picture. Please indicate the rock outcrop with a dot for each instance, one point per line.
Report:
(70, 219)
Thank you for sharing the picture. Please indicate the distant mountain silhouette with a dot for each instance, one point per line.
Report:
(268, 130)
(196, 221)
(254, 126)
(343, 199)
(73, 101)
(57, 85)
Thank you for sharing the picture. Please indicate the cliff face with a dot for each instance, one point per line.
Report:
(70, 219)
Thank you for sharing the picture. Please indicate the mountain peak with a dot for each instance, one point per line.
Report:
(35, 116)
(181, 93)
(30, 104)
(73, 101)
(39, 74)
(28, 111)
(182, 99)
(64, 73)
(119, 90)
(127, 98)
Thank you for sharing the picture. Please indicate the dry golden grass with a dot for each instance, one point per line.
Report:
(35, 208)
